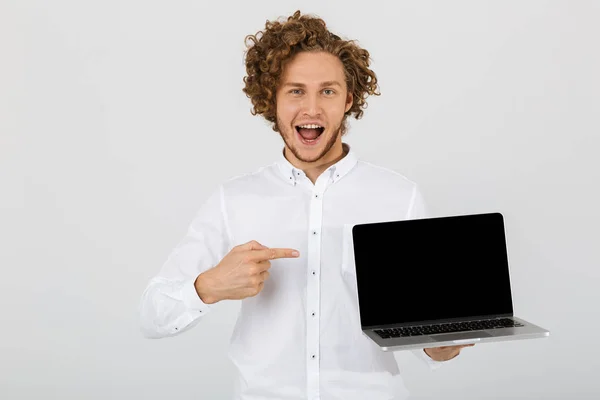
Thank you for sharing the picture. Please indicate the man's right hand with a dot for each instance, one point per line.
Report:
(240, 274)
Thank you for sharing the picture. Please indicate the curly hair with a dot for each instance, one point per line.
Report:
(268, 51)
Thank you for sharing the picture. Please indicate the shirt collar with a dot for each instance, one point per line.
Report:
(336, 171)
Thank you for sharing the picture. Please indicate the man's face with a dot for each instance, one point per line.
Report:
(311, 101)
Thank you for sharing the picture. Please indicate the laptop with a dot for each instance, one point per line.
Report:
(435, 282)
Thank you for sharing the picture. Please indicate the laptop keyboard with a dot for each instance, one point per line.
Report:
(447, 327)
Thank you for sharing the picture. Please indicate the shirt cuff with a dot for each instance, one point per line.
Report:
(431, 363)
(191, 299)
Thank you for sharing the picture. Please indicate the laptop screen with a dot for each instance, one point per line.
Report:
(432, 269)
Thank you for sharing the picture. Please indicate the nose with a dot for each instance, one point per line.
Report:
(312, 105)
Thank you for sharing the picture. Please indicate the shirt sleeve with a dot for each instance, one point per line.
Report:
(418, 206)
(170, 304)
(430, 362)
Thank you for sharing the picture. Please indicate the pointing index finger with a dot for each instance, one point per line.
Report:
(273, 253)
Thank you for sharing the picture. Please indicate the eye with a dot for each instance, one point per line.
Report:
(295, 91)
(331, 91)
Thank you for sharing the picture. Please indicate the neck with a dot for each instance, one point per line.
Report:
(314, 169)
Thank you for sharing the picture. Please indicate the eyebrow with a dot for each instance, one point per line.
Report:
(323, 84)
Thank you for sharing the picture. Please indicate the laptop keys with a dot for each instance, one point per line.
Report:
(495, 323)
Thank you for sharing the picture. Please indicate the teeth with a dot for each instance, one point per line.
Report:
(310, 126)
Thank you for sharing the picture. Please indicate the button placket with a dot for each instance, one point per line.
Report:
(313, 287)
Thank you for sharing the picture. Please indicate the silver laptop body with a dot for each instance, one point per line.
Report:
(436, 282)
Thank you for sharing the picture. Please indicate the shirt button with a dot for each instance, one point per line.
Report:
(316, 196)
(313, 314)
(314, 232)
(313, 356)
(314, 273)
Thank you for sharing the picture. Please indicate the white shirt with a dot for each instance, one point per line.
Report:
(300, 337)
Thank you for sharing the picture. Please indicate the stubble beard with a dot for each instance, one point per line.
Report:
(289, 136)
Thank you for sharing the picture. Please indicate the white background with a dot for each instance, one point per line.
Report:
(117, 117)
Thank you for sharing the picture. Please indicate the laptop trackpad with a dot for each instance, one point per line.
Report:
(459, 336)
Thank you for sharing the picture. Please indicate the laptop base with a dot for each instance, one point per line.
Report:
(527, 331)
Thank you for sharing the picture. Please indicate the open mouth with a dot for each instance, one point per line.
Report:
(309, 134)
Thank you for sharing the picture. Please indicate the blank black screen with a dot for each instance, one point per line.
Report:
(429, 269)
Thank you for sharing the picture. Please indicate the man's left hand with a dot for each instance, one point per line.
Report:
(445, 353)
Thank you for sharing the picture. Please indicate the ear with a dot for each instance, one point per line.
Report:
(349, 99)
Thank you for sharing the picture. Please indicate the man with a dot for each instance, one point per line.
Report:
(278, 238)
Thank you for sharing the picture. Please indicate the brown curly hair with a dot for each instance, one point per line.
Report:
(269, 50)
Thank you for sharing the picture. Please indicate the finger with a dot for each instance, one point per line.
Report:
(252, 245)
(260, 287)
(271, 254)
(264, 275)
(263, 265)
